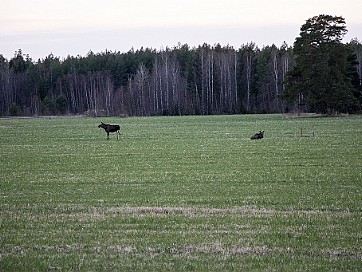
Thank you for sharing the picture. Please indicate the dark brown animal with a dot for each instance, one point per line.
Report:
(257, 136)
(110, 128)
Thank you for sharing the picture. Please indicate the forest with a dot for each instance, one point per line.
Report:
(203, 80)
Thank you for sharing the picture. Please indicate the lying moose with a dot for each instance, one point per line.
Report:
(257, 136)
(110, 128)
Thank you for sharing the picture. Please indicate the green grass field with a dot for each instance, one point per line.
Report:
(181, 193)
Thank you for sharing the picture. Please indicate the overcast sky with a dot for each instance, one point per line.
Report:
(72, 27)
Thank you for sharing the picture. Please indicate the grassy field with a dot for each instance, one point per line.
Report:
(181, 193)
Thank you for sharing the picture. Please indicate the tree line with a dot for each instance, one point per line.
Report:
(181, 80)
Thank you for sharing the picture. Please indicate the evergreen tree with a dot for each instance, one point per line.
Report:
(320, 79)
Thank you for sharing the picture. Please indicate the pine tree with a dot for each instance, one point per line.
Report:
(320, 78)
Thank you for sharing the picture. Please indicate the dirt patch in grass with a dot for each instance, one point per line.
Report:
(216, 211)
(82, 213)
(342, 254)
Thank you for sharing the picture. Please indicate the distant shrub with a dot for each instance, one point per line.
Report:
(14, 111)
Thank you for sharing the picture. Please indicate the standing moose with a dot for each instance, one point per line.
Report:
(110, 128)
(257, 136)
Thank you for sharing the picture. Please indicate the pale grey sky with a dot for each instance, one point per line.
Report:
(72, 27)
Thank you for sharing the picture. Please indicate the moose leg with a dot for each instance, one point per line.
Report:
(107, 135)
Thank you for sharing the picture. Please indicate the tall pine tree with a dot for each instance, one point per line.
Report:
(320, 80)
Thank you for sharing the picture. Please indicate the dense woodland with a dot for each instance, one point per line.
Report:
(172, 81)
